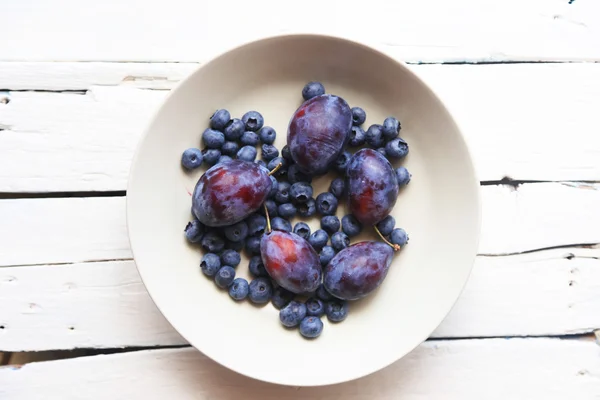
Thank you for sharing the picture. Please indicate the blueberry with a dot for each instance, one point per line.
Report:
(307, 209)
(336, 310)
(382, 151)
(225, 276)
(330, 224)
(247, 153)
(283, 193)
(357, 136)
(286, 210)
(256, 267)
(219, 119)
(337, 187)
(323, 294)
(314, 307)
(285, 153)
(342, 162)
(292, 314)
(191, 158)
(396, 148)
(312, 89)
(274, 187)
(326, 255)
(350, 225)
(212, 242)
(271, 208)
(261, 163)
(359, 116)
(236, 246)
(194, 231)
(230, 148)
(300, 192)
(374, 136)
(234, 129)
(281, 297)
(391, 128)
(231, 257)
(210, 264)
(211, 156)
(249, 138)
(340, 241)
(281, 224)
(326, 203)
(295, 175)
(269, 152)
(399, 236)
(253, 120)
(311, 327)
(402, 176)
(239, 289)
(302, 229)
(256, 224)
(223, 159)
(282, 170)
(260, 290)
(237, 232)
(253, 244)
(318, 239)
(386, 225)
(267, 135)
(213, 139)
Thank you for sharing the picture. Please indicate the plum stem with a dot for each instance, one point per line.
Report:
(275, 169)
(268, 218)
(396, 247)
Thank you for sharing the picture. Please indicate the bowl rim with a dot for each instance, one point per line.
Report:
(368, 47)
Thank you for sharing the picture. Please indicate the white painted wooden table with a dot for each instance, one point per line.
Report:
(79, 81)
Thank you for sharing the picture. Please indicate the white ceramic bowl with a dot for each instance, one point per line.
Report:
(439, 209)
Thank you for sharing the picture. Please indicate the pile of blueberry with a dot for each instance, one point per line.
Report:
(244, 203)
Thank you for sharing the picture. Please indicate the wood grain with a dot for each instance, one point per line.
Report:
(105, 305)
(85, 142)
(425, 31)
(481, 369)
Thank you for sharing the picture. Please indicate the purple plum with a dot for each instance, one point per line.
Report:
(229, 192)
(358, 270)
(371, 186)
(291, 261)
(318, 132)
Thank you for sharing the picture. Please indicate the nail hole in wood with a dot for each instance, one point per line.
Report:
(2, 327)
(569, 256)
(4, 100)
(71, 328)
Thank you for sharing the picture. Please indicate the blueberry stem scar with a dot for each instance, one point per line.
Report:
(396, 247)
(267, 214)
(275, 169)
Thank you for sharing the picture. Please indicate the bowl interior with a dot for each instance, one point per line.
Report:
(439, 209)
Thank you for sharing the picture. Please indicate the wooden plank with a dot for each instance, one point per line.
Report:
(105, 305)
(90, 305)
(58, 76)
(86, 142)
(430, 30)
(63, 230)
(485, 369)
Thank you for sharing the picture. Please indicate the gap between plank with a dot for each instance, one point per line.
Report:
(59, 195)
(43, 356)
(506, 181)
